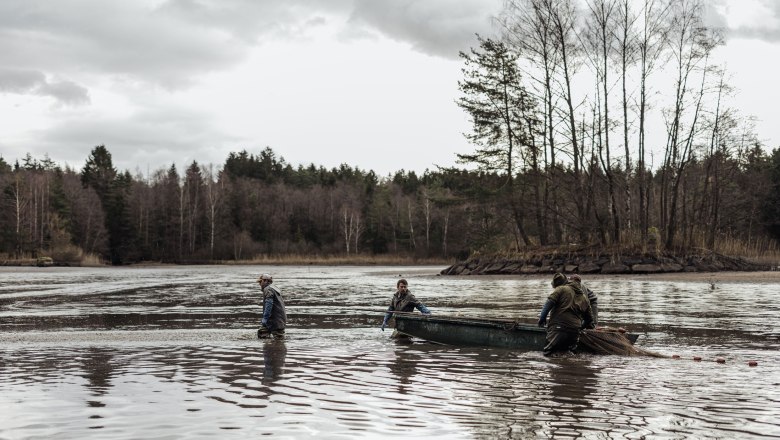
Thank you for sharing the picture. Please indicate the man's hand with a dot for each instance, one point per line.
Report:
(543, 322)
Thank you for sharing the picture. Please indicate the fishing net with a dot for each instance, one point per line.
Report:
(610, 341)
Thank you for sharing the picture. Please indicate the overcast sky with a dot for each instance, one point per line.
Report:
(370, 83)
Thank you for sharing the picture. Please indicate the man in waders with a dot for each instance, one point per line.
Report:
(402, 301)
(592, 297)
(569, 311)
(274, 315)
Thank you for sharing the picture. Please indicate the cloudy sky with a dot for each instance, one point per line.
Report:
(371, 83)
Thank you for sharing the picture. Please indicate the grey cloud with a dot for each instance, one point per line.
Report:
(249, 20)
(118, 38)
(174, 42)
(66, 92)
(22, 81)
(436, 27)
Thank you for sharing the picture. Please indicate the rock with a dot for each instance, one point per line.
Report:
(450, 270)
(589, 268)
(529, 268)
(671, 267)
(646, 268)
(494, 267)
(569, 268)
(689, 269)
(535, 260)
(705, 267)
(480, 269)
(615, 268)
(458, 269)
(630, 261)
(511, 268)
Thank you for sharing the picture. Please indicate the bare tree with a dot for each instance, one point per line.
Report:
(564, 16)
(528, 26)
(626, 40)
(603, 14)
(693, 44)
(651, 44)
(214, 190)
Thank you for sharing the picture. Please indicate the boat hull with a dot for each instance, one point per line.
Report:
(476, 332)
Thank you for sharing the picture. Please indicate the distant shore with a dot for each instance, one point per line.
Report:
(298, 260)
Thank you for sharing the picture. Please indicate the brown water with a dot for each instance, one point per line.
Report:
(171, 353)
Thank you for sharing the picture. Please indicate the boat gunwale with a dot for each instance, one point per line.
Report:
(503, 324)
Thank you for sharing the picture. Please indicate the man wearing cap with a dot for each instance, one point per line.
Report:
(569, 311)
(592, 297)
(274, 315)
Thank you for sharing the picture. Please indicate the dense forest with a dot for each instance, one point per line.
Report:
(600, 123)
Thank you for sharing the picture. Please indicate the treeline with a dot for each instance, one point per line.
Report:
(251, 205)
(259, 205)
(598, 123)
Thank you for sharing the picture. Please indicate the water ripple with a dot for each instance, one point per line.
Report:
(171, 352)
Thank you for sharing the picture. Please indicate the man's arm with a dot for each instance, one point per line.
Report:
(268, 306)
(424, 310)
(388, 315)
(548, 305)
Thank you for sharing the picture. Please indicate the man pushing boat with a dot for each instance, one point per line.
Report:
(569, 311)
(403, 301)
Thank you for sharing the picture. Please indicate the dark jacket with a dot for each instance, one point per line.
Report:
(404, 302)
(571, 308)
(274, 315)
(593, 299)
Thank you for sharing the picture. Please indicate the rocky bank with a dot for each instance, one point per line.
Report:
(601, 263)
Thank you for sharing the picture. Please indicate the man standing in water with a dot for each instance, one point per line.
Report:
(274, 315)
(403, 301)
(592, 297)
(569, 311)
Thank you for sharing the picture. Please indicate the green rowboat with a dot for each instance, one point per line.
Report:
(476, 331)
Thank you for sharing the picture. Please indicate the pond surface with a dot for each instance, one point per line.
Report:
(171, 352)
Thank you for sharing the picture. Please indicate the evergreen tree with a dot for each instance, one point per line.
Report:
(99, 174)
(502, 114)
(771, 209)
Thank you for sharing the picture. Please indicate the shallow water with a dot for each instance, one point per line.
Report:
(170, 352)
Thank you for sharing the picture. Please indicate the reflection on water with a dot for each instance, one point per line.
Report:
(171, 352)
(572, 389)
